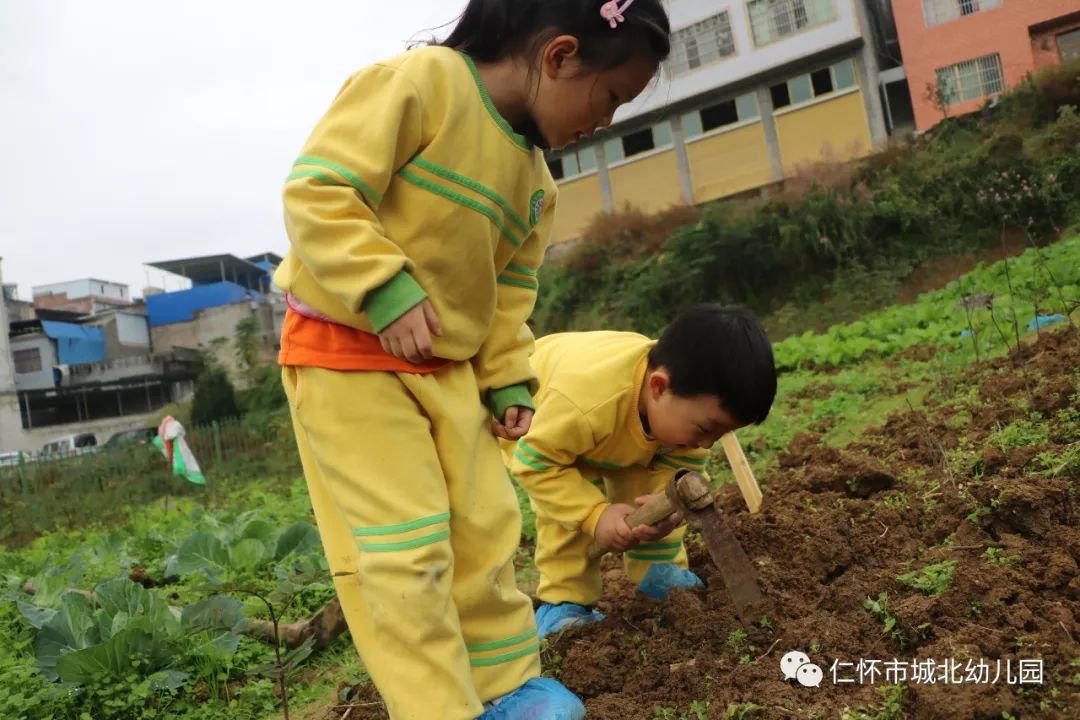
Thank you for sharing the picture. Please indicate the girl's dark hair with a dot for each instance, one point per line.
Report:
(492, 30)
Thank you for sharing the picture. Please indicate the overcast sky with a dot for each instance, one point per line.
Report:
(133, 131)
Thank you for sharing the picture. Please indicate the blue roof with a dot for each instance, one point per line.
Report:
(76, 344)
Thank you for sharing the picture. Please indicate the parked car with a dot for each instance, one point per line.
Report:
(124, 438)
(9, 458)
(75, 444)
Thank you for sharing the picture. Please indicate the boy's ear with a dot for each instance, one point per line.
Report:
(659, 382)
(557, 53)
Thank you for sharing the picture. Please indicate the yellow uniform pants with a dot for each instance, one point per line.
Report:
(420, 523)
(566, 572)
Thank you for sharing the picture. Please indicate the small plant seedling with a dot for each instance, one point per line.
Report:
(880, 609)
(932, 579)
(997, 556)
(741, 711)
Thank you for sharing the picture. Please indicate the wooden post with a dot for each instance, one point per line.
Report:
(22, 475)
(216, 429)
(744, 475)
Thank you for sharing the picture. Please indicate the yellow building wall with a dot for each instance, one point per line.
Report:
(729, 163)
(833, 130)
(579, 200)
(649, 184)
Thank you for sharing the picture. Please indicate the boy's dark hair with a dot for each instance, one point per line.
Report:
(721, 351)
(492, 30)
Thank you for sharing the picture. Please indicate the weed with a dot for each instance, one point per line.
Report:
(1020, 433)
(997, 556)
(932, 579)
(880, 609)
(741, 711)
(891, 707)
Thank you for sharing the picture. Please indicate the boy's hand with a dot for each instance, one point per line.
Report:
(659, 531)
(409, 337)
(515, 424)
(612, 531)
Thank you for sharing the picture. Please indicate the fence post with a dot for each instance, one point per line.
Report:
(22, 475)
(217, 440)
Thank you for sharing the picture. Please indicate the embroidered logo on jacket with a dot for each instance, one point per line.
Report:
(536, 207)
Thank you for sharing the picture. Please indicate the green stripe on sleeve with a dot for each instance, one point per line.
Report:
(353, 179)
(669, 545)
(601, 464)
(534, 453)
(521, 269)
(688, 460)
(529, 462)
(514, 282)
(653, 557)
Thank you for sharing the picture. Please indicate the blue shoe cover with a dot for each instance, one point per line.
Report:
(538, 699)
(553, 618)
(662, 578)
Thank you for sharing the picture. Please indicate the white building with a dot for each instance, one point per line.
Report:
(753, 90)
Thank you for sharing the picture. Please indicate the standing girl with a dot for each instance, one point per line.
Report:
(418, 214)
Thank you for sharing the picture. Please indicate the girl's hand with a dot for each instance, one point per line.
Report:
(409, 337)
(514, 425)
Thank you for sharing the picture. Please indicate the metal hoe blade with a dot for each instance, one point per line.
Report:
(736, 570)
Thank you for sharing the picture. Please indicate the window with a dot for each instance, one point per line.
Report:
(27, 361)
(636, 143)
(1069, 45)
(802, 88)
(781, 97)
(701, 43)
(821, 81)
(971, 79)
(722, 114)
(937, 12)
(573, 163)
(771, 20)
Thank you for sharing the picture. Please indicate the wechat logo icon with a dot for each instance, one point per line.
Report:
(797, 666)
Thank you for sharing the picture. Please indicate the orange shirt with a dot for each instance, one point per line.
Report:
(310, 342)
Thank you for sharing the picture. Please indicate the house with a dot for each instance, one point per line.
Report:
(225, 292)
(86, 297)
(63, 371)
(754, 89)
(960, 54)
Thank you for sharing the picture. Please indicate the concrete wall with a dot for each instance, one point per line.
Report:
(579, 200)
(126, 334)
(132, 330)
(43, 378)
(832, 129)
(11, 432)
(729, 161)
(1003, 30)
(215, 329)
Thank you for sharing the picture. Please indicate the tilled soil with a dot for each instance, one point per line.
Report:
(838, 530)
